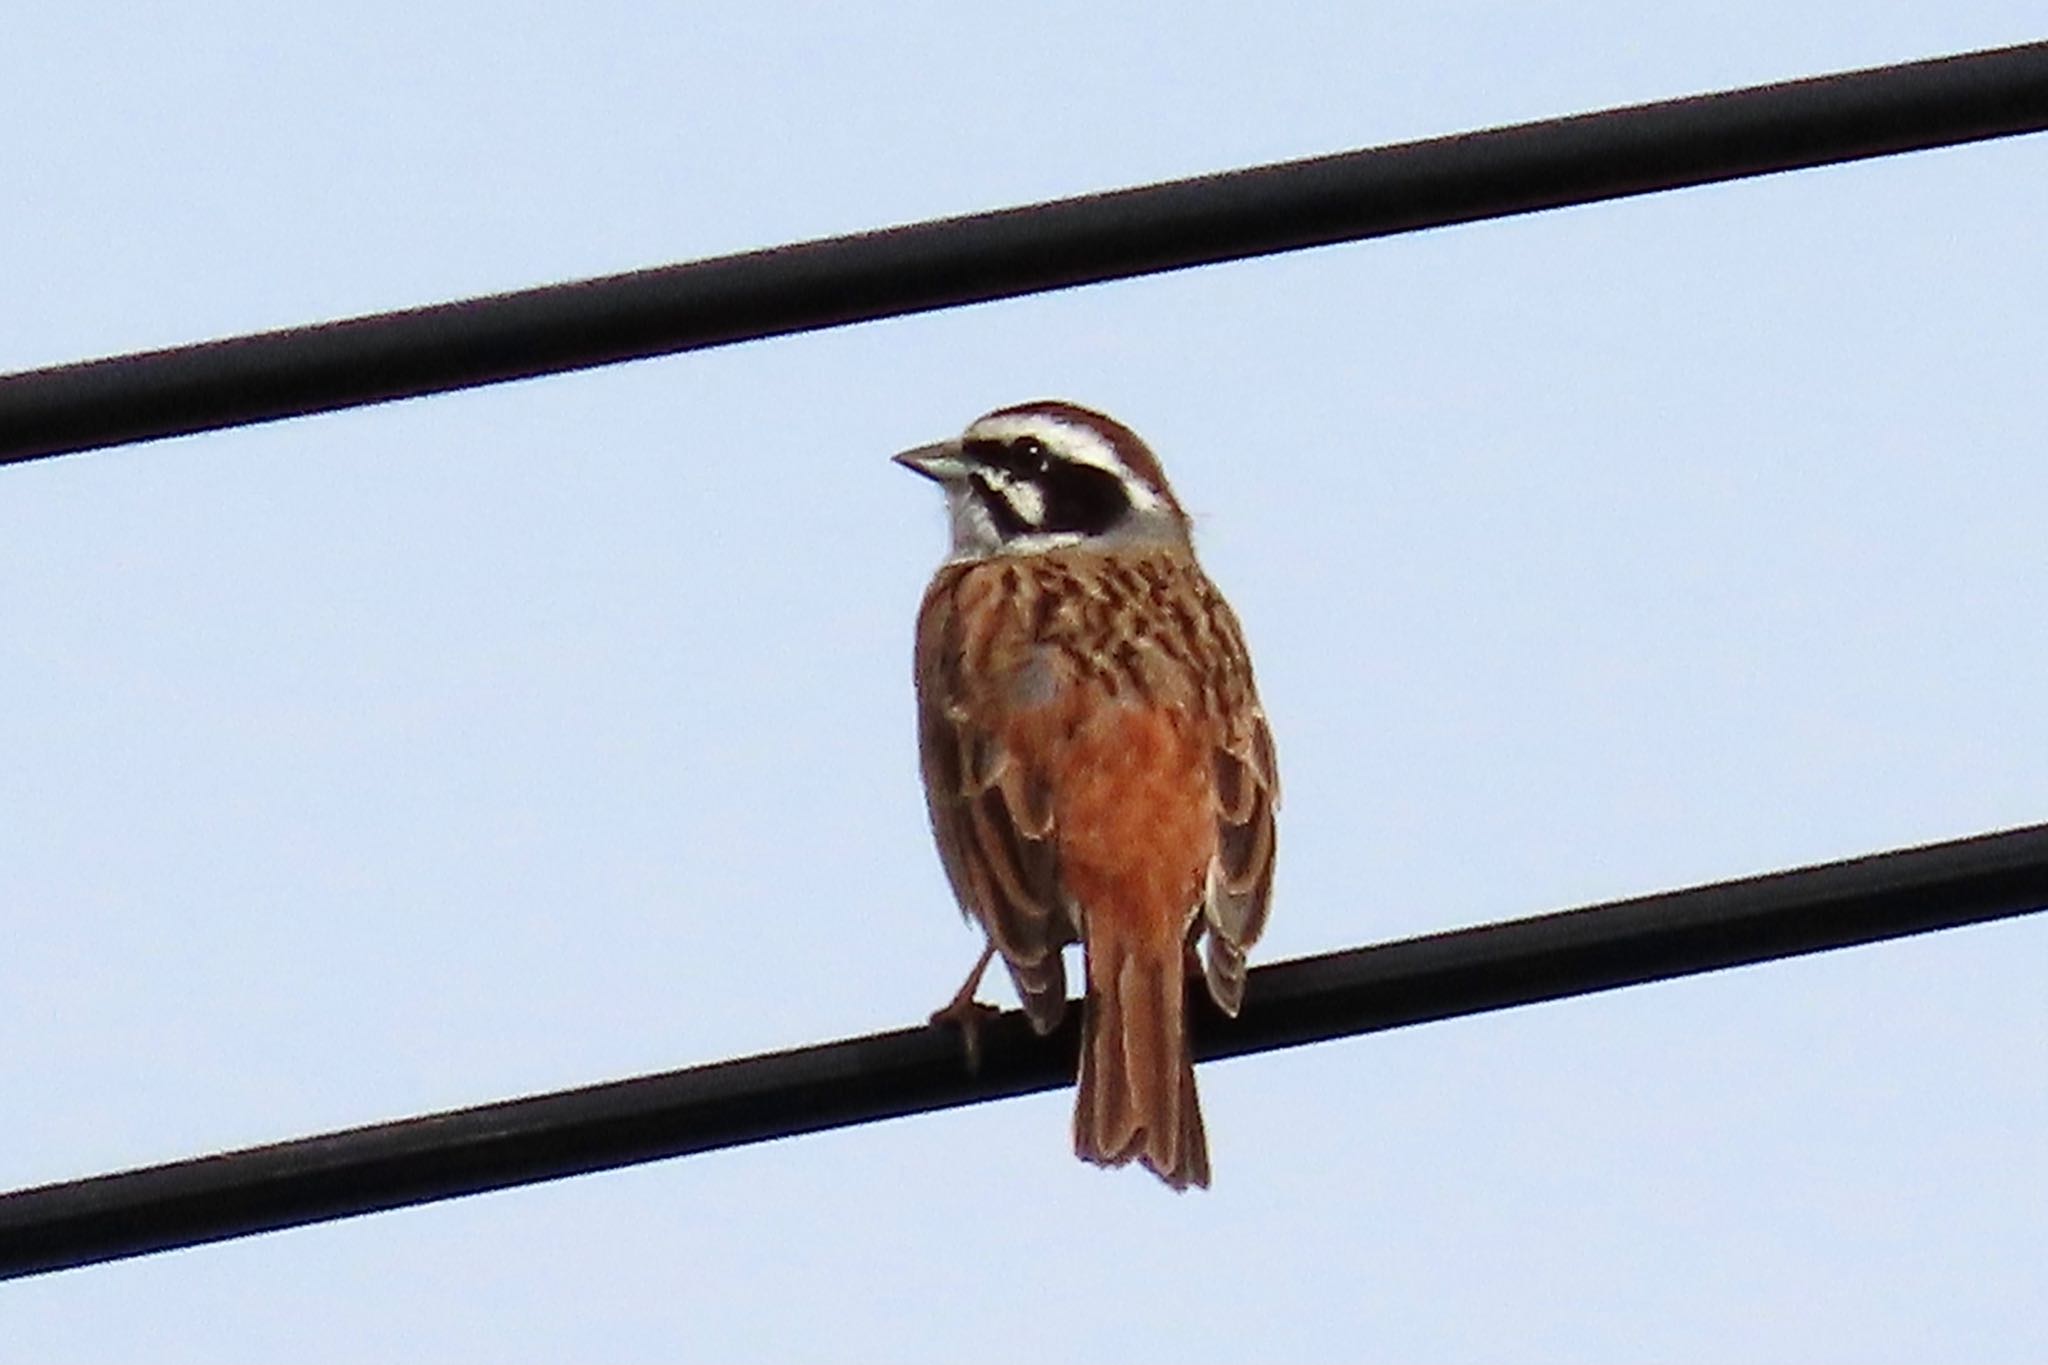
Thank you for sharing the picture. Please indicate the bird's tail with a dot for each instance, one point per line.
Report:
(1137, 1091)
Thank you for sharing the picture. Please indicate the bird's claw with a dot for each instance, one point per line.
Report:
(967, 1014)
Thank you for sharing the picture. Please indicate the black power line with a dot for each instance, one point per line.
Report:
(957, 261)
(887, 1075)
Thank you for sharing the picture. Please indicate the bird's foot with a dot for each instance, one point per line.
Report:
(967, 1014)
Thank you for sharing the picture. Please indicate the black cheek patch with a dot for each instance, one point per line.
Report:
(1081, 498)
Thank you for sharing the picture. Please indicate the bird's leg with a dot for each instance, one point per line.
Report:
(966, 1013)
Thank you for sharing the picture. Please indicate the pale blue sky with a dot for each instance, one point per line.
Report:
(465, 748)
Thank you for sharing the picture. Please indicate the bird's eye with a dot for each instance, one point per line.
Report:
(1031, 454)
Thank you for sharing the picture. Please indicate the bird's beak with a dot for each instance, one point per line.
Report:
(940, 462)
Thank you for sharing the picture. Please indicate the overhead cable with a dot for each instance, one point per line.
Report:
(955, 261)
(889, 1075)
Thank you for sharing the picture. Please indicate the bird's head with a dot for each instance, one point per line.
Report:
(1047, 475)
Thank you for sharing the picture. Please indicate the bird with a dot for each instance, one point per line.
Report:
(1097, 766)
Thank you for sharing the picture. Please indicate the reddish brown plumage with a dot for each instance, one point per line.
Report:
(1138, 823)
(1096, 761)
(1083, 711)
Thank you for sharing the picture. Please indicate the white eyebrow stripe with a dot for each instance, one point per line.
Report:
(1073, 442)
(1076, 443)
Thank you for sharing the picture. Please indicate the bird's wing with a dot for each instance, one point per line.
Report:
(992, 816)
(1240, 888)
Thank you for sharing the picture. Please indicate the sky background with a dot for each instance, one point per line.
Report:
(459, 749)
